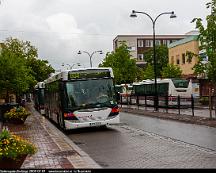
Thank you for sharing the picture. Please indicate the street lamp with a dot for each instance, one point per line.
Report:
(172, 15)
(71, 66)
(90, 55)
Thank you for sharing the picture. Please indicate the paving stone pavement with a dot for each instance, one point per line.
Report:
(154, 151)
(55, 149)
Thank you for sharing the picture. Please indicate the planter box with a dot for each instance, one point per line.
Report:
(16, 121)
(8, 163)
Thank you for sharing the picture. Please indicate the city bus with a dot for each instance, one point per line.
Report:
(165, 87)
(39, 97)
(125, 93)
(81, 98)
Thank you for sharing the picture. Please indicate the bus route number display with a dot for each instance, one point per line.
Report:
(84, 75)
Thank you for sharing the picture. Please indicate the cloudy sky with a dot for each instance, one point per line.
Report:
(60, 28)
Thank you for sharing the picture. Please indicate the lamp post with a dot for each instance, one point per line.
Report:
(90, 55)
(172, 15)
(71, 66)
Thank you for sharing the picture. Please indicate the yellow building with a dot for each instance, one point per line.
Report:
(177, 54)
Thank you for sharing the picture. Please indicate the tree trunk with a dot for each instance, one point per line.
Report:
(7, 97)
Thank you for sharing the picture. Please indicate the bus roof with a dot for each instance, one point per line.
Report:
(64, 74)
(149, 81)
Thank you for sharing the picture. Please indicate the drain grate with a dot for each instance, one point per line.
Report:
(102, 164)
(65, 153)
(78, 143)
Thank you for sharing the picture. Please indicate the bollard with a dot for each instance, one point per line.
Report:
(179, 104)
(167, 102)
(121, 100)
(192, 104)
(145, 103)
(137, 101)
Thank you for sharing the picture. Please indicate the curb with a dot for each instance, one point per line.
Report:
(79, 159)
(82, 159)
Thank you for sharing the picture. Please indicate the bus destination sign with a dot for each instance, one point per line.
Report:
(88, 74)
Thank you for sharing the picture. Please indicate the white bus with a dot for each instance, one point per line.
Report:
(125, 93)
(38, 96)
(165, 87)
(81, 98)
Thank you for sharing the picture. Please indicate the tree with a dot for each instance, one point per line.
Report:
(40, 69)
(161, 57)
(14, 76)
(124, 68)
(207, 38)
(20, 67)
(149, 72)
(140, 74)
(171, 71)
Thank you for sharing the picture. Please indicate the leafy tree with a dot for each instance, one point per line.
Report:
(14, 76)
(140, 74)
(40, 69)
(20, 67)
(207, 38)
(171, 71)
(22, 49)
(149, 72)
(124, 68)
(161, 57)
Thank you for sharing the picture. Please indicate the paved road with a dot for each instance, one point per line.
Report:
(200, 135)
(197, 112)
(125, 146)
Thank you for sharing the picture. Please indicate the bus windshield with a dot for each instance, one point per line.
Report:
(180, 83)
(90, 93)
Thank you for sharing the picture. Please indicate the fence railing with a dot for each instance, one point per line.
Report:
(165, 102)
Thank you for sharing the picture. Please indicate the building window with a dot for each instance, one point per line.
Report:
(140, 43)
(165, 42)
(140, 57)
(183, 58)
(168, 42)
(177, 60)
(157, 42)
(149, 43)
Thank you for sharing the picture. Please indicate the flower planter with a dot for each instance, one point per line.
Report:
(16, 115)
(16, 121)
(14, 150)
(9, 163)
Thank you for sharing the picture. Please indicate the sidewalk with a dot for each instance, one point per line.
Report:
(55, 149)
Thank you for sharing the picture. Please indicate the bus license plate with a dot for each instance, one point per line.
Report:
(95, 124)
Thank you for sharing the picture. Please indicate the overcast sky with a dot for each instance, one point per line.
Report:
(60, 28)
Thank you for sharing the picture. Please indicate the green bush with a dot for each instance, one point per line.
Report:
(17, 113)
(13, 146)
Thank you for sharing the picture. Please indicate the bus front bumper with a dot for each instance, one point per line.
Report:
(71, 125)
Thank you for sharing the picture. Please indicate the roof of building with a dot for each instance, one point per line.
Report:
(183, 41)
(151, 36)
